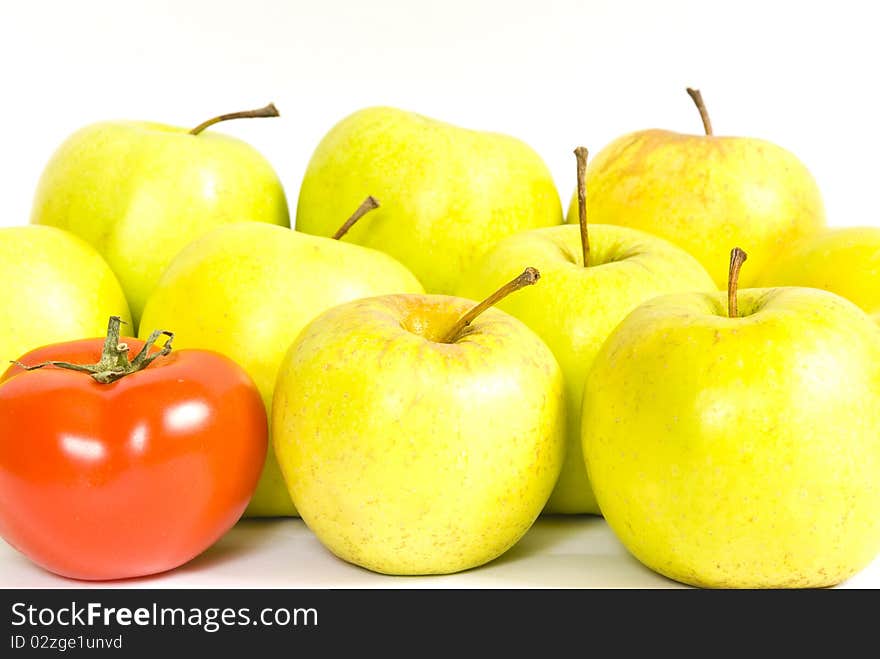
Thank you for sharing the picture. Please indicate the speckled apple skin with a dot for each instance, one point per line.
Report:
(740, 452)
(406, 455)
(575, 308)
(707, 194)
(140, 191)
(845, 261)
(447, 193)
(247, 289)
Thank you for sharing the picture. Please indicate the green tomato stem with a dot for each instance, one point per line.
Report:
(697, 98)
(114, 364)
(737, 258)
(528, 277)
(366, 206)
(267, 111)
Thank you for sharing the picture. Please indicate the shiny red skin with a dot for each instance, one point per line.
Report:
(111, 481)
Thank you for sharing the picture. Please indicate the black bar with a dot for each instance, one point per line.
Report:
(543, 622)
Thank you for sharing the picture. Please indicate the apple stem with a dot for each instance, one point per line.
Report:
(268, 111)
(581, 154)
(528, 277)
(737, 258)
(366, 206)
(114, 363)
(697, 98)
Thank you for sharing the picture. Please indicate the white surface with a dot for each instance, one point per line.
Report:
(558, 552)
(554, 73)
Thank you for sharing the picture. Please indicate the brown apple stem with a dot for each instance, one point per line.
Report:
(366, 206)
(528, 277)
(581, 154)
(697, 98)
(268, 111)
(737, 258)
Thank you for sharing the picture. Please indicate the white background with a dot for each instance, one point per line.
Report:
(552, 72)
(555, 73)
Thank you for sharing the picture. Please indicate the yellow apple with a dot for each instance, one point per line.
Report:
(576, 307)
(247, 289)
(843, 261)
(448, 193)
(740, 447)
(705, 193)
(56, 288)
(140, 191)
(410, 451)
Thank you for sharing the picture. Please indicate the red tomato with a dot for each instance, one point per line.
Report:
(109, 481)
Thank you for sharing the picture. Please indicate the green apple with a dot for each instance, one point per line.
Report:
(411, 446)
(247, 289)
(737, 443)
(56, 288)
(576, 307)
(448, 193)
(704, 193)
(140, 191)
(843, 261)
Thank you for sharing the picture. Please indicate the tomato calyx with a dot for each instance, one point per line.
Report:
(114, 363)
